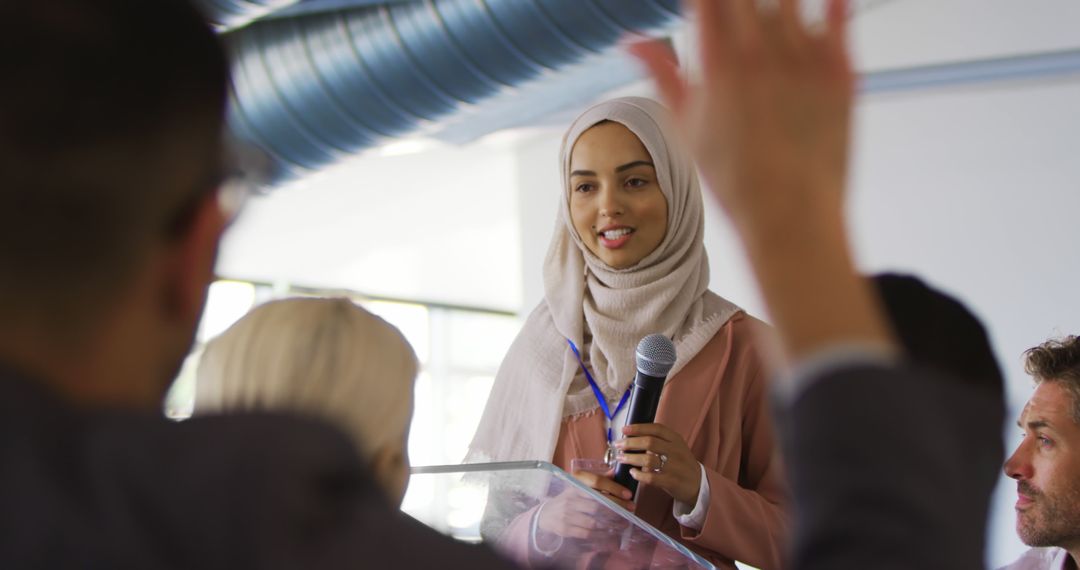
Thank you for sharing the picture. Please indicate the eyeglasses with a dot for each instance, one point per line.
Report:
(245, 170)
(248, 171)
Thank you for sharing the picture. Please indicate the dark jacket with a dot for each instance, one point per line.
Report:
(892, 468)
(121, 490)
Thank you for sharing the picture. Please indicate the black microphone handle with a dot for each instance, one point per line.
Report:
(644, 399)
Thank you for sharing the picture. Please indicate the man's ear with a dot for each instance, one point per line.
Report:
(192, 255)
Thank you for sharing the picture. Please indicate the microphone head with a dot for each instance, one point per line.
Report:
(655, 355)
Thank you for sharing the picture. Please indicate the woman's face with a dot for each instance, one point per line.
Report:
(615, 200)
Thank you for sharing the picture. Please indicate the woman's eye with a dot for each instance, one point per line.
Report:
(583, 188)
(636, 182)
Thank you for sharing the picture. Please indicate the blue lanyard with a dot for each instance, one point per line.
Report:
(598, 393)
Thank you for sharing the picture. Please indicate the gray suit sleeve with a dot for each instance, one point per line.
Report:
(891, 467)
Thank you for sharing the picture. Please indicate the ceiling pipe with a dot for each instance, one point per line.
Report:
(227, 15)
(317, 88)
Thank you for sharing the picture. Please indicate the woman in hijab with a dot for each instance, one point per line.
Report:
(628, 260)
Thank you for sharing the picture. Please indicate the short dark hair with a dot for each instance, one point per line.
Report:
(1057, 360)
(94, 92)
(937, 330)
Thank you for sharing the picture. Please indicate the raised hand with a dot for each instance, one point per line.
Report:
(769, 120)
(769, 126)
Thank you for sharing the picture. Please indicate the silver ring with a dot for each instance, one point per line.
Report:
(663, 461)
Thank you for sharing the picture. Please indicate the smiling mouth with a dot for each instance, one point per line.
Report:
(615, 234)
(615, 238)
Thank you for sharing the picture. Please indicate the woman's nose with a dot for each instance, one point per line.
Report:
(610, 203)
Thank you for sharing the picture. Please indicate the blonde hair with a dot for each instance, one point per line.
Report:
(326, 357)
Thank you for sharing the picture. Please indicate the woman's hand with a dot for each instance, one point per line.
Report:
(606, 485)
(568, 516)
(571, 514)
(680, 475)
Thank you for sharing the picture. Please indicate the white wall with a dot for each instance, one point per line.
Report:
(435, 226)
(538, 186)
(890, 34)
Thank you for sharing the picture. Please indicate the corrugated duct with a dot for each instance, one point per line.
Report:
(312, 89)
(231, 14)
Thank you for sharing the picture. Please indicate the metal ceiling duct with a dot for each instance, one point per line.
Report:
(229, 14)
(313, 89)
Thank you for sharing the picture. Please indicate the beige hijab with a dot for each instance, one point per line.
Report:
(604, 311)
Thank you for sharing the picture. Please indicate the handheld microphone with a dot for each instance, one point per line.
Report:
(655, 355)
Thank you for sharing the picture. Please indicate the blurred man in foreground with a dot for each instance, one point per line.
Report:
(1046, 464)
(872, 439)
(111, 122)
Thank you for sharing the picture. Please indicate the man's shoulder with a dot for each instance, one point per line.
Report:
(907, 417)
(1047, 558)
(129, 489)
(122, 490)
(273, 467)
(106, 458)
(227, 440)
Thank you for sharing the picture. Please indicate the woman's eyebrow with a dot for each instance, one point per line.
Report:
(626, 166)
(630, 165)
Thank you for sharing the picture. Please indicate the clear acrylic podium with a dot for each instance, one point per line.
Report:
(503, 504)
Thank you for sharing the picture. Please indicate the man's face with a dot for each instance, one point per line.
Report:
(1046, 466)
